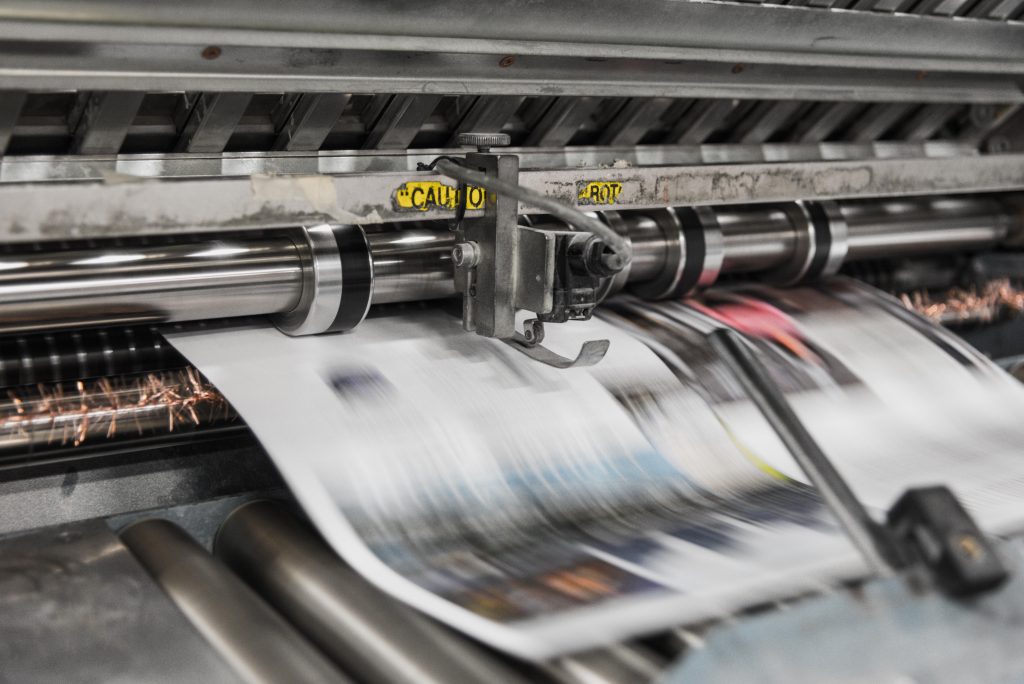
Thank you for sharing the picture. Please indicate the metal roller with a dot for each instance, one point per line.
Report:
(84, 354)
(373, 636)
(40, 417)
(251, 637)
(324, 278)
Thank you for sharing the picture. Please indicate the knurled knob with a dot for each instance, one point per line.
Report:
(483, 141)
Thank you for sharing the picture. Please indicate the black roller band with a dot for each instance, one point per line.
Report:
(356, 277)
(694, 252)
(822, 240)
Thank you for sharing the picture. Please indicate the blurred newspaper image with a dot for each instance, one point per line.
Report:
(544, 511)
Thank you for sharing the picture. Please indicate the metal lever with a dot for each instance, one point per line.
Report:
(529, 341)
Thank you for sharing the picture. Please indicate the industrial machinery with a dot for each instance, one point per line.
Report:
(313, 161)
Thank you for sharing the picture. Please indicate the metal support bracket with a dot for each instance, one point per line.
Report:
(501, 267)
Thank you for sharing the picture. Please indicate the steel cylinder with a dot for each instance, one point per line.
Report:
(135, 284)
(918, 227)
(371, 635)
(252, 638)
(756, 238)
(411, 261)
(263, 275)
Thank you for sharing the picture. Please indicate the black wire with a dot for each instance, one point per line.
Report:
(460, 190)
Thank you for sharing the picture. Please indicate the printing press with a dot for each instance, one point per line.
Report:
(181, 170)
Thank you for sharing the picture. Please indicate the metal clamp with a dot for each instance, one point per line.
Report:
(501, 267)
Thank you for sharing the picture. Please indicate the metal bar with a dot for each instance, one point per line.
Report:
(634, 120)
(32, 212)
(48, 358)
(927, 122)
(561, 121)
(211, 122)
(893, 229)
(373, 636)
(945, 8)
(411, 262)
(25, 169)
(825, 119)
(187, 281)
(255, 640)
(872, 124)
(78, 607)
(104, 122)
(243, 69)
(10, 109)
(310, 121)
(701, 120)
(764, 121)
(400, 121)
(1000, 10)
(665, 30)
(870, 538)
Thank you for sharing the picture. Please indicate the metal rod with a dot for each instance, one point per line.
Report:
(251, 637)
(870, 538)
(370, 634)
(174, 282)
(44, 417)
(412, 261)
(903, 228)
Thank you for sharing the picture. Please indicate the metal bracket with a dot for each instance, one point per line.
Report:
(501, 267)
(528, 342)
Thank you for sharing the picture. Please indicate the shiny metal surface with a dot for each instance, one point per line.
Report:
(901, 228)
(174, 282)
(251, 637)
(82, 354)
(77, 607)
(321, 285)
(376, 638)
(755, 238)
(411, 261)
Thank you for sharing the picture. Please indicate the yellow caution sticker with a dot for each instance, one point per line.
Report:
(425, 195)
(598, 192)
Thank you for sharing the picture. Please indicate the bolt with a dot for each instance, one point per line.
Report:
(506, 62)
(211, 52)
(970, 546)
(466, 254)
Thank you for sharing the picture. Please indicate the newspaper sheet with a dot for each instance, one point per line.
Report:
(544, 511)
(539, 510)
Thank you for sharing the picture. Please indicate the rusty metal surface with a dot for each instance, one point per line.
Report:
(58, 211)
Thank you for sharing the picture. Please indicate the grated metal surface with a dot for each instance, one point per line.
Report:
(106, 123)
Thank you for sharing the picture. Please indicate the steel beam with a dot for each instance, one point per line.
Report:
(656, 29)
(171, 67)
(40, 211)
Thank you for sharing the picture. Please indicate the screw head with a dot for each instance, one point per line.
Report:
(466, 254)
(483, 141)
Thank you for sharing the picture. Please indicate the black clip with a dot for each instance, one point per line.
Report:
(932, 523)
